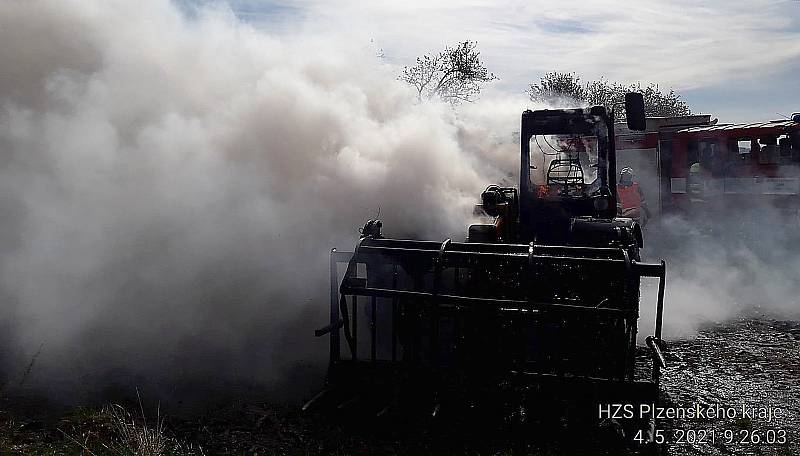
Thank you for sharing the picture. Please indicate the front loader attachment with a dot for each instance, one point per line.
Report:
(464, 318)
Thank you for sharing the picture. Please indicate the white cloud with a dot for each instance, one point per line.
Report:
(685, 45)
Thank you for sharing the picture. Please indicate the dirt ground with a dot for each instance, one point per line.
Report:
(746, 367)
(750, 363)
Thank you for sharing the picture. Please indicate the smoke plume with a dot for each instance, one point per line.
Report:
(740, 262)
(171, 188)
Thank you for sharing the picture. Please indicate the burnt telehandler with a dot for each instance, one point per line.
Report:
(538, 305)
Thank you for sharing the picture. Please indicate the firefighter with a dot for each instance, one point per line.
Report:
(699, 177)
(630, 197)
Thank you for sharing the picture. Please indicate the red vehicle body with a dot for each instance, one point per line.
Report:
(700, 170)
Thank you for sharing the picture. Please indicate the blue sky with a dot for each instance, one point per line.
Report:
(739, 60)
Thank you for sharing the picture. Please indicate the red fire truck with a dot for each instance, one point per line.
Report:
(701, 170)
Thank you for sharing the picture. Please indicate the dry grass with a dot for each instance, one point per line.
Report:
(131, 435)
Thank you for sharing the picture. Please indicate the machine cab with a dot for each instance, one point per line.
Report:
(567, 178)
(567, 169)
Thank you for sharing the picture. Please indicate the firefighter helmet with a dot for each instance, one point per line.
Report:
(626, 176)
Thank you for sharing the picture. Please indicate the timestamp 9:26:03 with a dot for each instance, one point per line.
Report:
(716, 436)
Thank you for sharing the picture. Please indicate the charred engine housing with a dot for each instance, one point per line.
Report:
(495, 200)
(501, 203)
(622, 232)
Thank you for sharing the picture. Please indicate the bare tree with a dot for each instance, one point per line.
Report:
(453, 75)
(557, 88)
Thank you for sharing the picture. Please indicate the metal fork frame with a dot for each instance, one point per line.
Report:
(456, 255)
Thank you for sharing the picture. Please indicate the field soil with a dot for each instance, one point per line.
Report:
(746, 367)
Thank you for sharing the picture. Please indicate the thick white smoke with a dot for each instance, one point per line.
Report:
(743, 262)
(171, 188)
